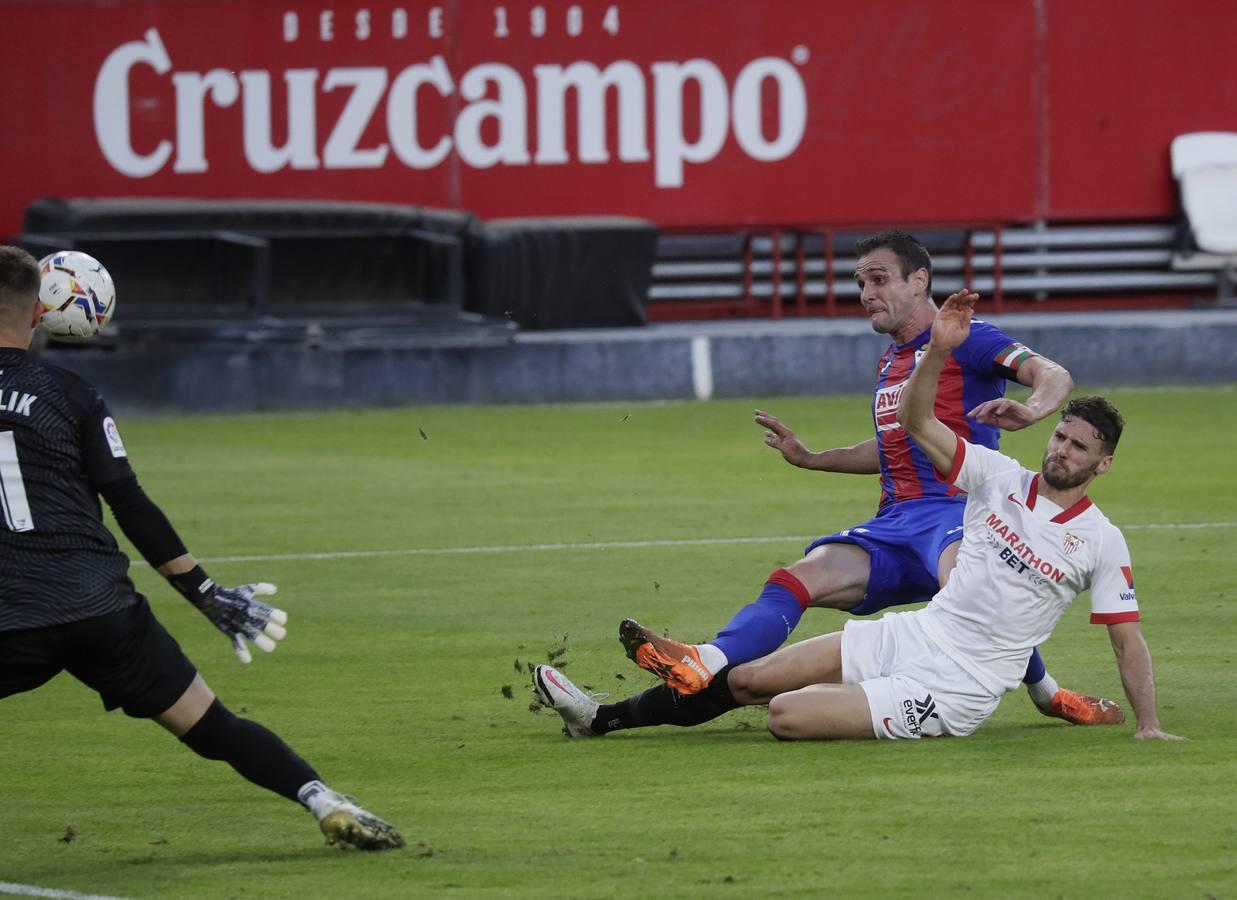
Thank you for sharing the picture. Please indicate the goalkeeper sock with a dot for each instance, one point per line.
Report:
(761, 627)
(257, 753)
(662, 705)
(317, 798)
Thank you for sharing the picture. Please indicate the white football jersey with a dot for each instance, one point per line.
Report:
(1022, 562)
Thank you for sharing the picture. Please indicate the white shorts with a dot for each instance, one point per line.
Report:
(914, 689)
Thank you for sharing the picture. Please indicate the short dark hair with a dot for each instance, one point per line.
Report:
(19, 280)
(911, 254)
(1100, 415)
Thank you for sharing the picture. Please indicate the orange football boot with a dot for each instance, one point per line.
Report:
(1083, 709)
(672, 661)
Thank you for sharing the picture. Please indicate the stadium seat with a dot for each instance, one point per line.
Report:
(1205, 166)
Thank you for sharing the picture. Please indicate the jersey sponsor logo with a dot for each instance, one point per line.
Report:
(1017, 553)
(112, 433)
(885, 406)
(1072, 542)
(920, 354)
(886, 722)
(916, 712)
(1014, 500)
(1128, 572)
(16, 402)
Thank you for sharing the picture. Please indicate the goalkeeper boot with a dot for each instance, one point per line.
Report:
(347, 824)
(1083, 709)
(672, 661)
(577, 708)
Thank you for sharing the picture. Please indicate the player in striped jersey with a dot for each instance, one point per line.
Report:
(1034, 541)
(906, 552)
(66, 601)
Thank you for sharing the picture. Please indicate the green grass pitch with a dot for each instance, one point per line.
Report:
(394, 677)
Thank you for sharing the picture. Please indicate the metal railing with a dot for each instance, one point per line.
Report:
(775, 272)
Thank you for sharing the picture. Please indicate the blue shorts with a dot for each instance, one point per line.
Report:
(905, 542)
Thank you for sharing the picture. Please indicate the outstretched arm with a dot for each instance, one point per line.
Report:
(1134, 664)
(859, 459)
(1050, 384)
(916, 408)
(234, 611)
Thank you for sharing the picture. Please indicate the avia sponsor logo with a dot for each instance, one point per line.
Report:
(497, 115)
(1017, 554)
(885, 406)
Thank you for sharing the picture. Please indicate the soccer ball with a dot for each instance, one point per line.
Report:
(77, 294)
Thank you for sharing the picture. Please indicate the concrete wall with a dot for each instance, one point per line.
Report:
(678, 361)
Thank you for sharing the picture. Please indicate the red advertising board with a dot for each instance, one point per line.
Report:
(688, 112)
(1122, 80)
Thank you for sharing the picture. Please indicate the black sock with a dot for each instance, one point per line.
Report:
(255, 752)
(662, 705)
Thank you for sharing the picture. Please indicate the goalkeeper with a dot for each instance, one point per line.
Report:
(66, 601)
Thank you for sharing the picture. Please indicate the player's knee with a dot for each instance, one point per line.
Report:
(752, 683)
(740, 680)
(782, 719)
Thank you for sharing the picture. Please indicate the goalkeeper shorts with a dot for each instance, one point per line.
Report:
(127, 657)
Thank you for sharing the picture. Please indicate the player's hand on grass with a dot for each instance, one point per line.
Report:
(1006, 414)
(1155, 733)
(236, 613)
(782, 439)
(953, 320)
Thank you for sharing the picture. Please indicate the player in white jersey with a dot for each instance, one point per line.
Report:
(1033, 542)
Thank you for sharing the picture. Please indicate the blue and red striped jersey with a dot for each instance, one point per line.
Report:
(974, 373)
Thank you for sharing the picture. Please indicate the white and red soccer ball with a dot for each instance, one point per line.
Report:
(77, 294)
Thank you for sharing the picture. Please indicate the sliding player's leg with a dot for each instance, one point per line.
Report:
(807, 662)
(833, 574)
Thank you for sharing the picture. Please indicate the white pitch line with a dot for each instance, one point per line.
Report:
(31, 890)
(506, 548)
(601, 545)
(1154, 525)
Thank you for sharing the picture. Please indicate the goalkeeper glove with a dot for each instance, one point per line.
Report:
(234, 611)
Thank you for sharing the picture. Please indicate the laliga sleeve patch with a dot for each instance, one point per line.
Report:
(112, 433)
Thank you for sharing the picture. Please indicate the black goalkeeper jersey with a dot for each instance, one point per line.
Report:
(58, 446)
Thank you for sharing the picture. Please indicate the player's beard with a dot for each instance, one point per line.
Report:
(1059, 479)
